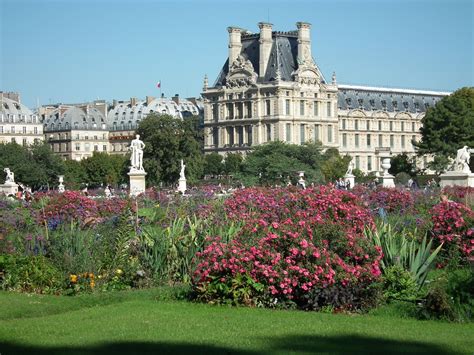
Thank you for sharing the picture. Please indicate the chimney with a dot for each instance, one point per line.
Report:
(114, 103)
(149, 99)
(304, 42)
(133, 101)
(235, 43)
(265, 46)
(175, 98)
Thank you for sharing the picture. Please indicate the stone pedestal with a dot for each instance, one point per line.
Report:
(137, 182)
(182, 185)
(9, 188)
(457, 178)
(388, 180)
(351, 179)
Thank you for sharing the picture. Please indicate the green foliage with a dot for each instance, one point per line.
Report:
(400, 284)
(242, 289)
(168, 251)
(30, 274)
(167, 141)
(213, 164)
(103, 169)
(34, 166)
(439, 163)
(275, 162)
(334, 165)
(398, 249)
(402, 178)
(402, 163)
(449, 125)
(232, 163)
(362, 178)
(74, 174)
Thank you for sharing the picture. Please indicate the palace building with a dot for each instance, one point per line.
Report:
(270, 88)
(17, 122)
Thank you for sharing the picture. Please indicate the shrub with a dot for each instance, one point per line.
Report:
(399, 284)
(453, 225)
(390, 199)
(450, 297)
(292, 242)
(30, 274)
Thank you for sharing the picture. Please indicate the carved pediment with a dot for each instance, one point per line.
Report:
(380, 114)
(241, 73)
(307, 74)
(357, 113)
(403, 115)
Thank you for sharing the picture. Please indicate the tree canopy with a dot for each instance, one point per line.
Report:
(449, 125)
(275, 162)
(167, 141)
(334, 166)
(35, 165)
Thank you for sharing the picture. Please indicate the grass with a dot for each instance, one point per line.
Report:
(150, 322)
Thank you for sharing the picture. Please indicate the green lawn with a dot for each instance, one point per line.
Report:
(146, 322)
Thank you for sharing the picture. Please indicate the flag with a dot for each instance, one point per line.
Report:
(158, 85)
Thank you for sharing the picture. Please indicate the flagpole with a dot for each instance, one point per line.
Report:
(160, 90)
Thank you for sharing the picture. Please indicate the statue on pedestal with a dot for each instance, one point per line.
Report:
(463, 158)
(136, 159)
(349, 168)
(181, 173)
(10, 178)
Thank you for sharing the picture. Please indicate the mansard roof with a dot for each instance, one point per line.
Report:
(387, 99)
(130, 115)
(71, 117)
(283, 54)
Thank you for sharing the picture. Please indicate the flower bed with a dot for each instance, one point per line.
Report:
(294, 245)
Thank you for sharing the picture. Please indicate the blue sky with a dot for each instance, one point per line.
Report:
(80, 50)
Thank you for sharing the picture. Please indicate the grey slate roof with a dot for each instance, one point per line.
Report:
(128, 116)
(285, 55)
(391, 100)
(74, 118)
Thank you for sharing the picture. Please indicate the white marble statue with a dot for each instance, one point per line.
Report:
(10, 178)
(181, 173)
(463, 157)
(136, 146)
(349, 168)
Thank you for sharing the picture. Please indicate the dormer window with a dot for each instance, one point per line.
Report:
(405, 104)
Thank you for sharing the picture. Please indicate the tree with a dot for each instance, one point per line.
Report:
(232, 163)
(35, 166)
(213, 164)
(274, 162)
(334, 165)
(402, 163)
(51, 163)
(449, 125)
(167, 141)
(75, 174)
(103, 169)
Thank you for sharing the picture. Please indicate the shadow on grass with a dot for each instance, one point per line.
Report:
(347, 344)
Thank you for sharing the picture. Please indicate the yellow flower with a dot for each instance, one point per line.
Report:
(91, 275)
(73, 278)
(92, 283)
(119, 272)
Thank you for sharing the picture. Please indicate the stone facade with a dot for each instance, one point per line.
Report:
(17, 122)
(76, 132)
(270, 88)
